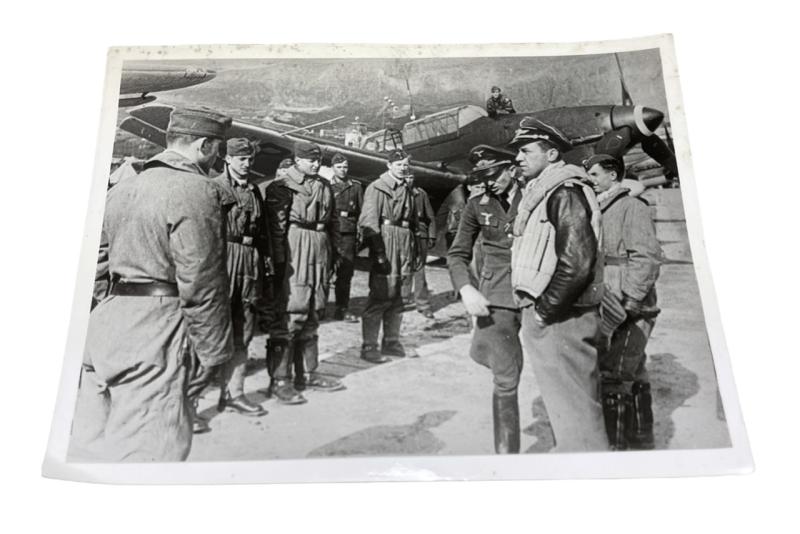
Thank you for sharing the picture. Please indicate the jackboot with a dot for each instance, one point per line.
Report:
(280, 355)
(371, 354)
(615, 408)
(505, 414)
(639, 431)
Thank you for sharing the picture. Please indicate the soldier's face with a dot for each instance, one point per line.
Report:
(533, 158)
(240, 165)
(307, 166)
(495, 94)
(340, 170)
(399, 169)
(501, 183)
(601, 179)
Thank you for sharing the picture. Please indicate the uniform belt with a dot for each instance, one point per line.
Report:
(317, 227)
(616, 260)
(401, 224)
(144, 289)
(247, 240)
(347, 214)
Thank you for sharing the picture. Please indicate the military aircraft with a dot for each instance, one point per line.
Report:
(139, 79)
(439, 143)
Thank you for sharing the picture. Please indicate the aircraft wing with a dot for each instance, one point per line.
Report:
(150, 122)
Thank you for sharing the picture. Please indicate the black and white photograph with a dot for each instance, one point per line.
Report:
(394, 263)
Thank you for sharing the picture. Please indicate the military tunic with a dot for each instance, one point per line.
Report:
(303, 230)
(164, 225)
(248, 250)
(349, 198)
(388, 212)
(633, 261)
(495, 340)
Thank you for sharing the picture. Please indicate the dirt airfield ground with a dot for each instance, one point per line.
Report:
(440, 403)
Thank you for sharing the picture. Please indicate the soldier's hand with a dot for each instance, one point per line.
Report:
(431, 242)
(475, 303)
(381, 265)
(633, 308)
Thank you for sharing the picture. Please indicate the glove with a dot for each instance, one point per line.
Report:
(633, 308)
(381, 265)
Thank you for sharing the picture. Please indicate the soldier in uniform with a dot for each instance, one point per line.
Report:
(304, 229)
(162, 251)
(248, 263)
(557, 276)
(349, 197)
(495, 339)
(499, 104)
(387, 224)
(425, 236)
(633, 259)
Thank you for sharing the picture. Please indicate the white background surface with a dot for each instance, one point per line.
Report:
(738, 78)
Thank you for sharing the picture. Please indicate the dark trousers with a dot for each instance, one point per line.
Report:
(345, 266)
(496, 345)
(388, 312)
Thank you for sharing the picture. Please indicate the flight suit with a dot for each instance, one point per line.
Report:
(304, 231)
(248, 256)
(425, 236)
(162, 251)
(633, 261)
(495, 338)
(388, 220)
(349, 198)
(499, 106)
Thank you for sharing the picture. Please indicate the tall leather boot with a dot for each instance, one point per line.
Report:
(505, 412)
(279, 361)
(640, 418)
(615, 404)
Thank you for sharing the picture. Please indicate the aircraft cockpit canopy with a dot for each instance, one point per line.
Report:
(441, 126)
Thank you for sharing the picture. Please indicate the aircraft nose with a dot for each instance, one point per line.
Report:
(651, 118)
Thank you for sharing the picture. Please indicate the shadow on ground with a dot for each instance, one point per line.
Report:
(390, 440)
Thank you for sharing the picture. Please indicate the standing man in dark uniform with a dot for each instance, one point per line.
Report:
(387, 223)
(633, 259)
(495, 338)
(162, 250)
(425, 236)
(499, 104)
(304, 229)
(248, 264)
(349, 197)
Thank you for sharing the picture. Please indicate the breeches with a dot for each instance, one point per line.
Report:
(496, 345)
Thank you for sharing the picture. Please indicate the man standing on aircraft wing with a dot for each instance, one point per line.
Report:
(388, 221)
(557, 276)
(633, 259)
(499, 104)
(349, 197)
(162, 250)
(303, 230)
(249, 262)
(495, 338)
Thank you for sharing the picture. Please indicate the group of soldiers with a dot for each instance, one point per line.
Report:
(189, 265)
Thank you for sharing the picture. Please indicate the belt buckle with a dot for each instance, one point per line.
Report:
(404, 224)
(247, 240)
(320, 227)
(344, 214)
